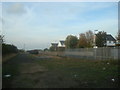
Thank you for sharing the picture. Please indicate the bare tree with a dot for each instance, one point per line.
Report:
(89, 37)
(1, 38)
(82, 43)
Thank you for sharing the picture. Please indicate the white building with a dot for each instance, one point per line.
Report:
(61, 43)
(110, 40)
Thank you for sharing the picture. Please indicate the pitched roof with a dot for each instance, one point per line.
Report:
(54, 43)
(62, 42)
(109, 37)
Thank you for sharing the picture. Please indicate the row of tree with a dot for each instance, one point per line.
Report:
(88, 40)
(7, 48)
(84, 40)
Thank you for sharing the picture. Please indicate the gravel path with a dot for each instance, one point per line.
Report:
(13, 67)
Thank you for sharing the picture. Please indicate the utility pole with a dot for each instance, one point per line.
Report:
(24, 47)
(95, 45)
(95, 39)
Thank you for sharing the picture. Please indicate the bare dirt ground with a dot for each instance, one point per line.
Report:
(47, 56)
(26, 73)
(7, 57)
(33, 68)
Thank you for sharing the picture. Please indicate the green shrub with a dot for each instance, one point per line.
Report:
(7, 49)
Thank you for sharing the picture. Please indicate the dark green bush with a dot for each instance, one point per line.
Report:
(7, 49)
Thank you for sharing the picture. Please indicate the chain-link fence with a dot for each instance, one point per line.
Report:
(103, 53)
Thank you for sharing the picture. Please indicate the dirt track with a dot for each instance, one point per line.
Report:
(24, 68)
(22, 63)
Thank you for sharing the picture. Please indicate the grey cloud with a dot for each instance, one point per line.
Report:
(16, 8)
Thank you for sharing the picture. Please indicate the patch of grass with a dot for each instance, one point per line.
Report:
(88, 72)
(33, 72)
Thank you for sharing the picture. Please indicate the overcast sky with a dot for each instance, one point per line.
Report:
(38, 24)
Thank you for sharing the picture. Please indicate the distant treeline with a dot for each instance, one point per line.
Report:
(7, 49)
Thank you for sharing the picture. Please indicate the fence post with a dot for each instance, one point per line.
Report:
(95, 53)
(118, 52)
(103, 53)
